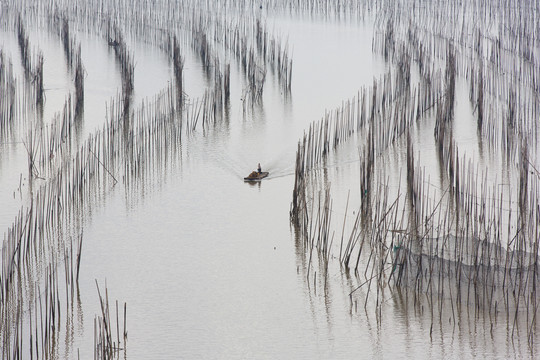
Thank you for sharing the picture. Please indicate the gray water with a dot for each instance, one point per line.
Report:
(209, 265)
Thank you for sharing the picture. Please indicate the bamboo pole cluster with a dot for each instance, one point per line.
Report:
(32, 63)
(237, 28)
(105, 346)
(72, 52)
(494, 55)
(67, 177)
(8, 108)
(72, 186)
(124, 57)
(466, 243)
(31, 283)
(380, 115)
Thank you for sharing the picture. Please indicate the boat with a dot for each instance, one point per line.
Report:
(256, 176)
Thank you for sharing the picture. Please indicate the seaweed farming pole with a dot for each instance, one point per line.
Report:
(31, 63)
(72, 52)
(276, 53)
(24, 47)
(445, 111)
(104, 345)
(8, 98)
(411, 188)
(298, 206)
(67, 41)
(480, 96)
(178, 65)
(79, 84)
(116, 40)
(38, 78)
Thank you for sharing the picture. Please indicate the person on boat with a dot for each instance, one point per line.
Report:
(259, 168)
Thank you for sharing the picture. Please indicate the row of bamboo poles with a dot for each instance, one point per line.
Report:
(104, 343)
(67, 177)
(8, 108)
(32, 63)
(466, 242)
(230, 28)
(72, 52)
(394, 241)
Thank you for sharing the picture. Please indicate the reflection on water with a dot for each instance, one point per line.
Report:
(210, 266)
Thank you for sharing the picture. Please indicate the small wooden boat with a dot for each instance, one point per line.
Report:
(256, 176)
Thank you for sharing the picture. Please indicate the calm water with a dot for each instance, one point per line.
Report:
(207, 264)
